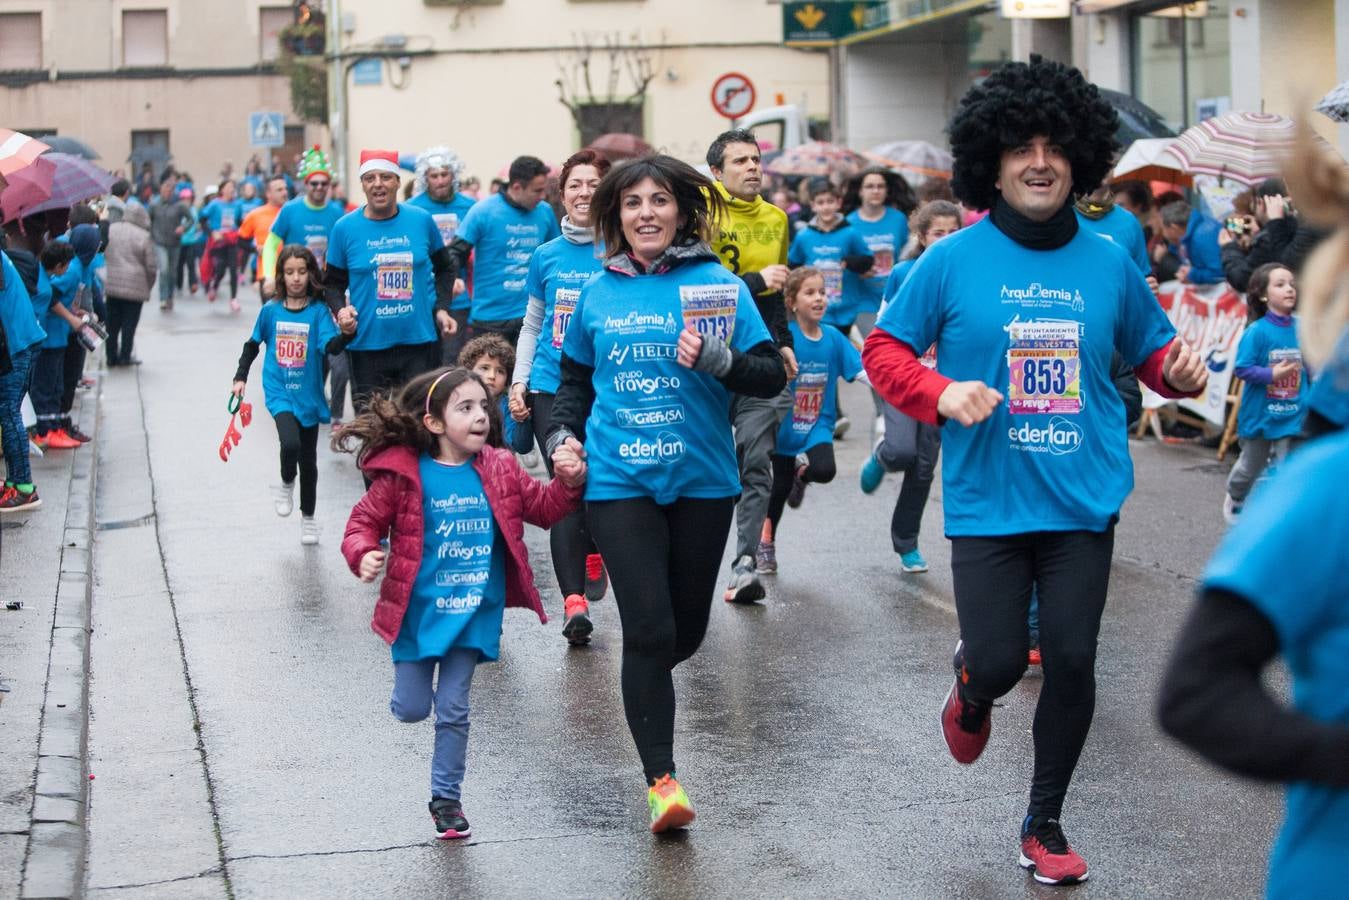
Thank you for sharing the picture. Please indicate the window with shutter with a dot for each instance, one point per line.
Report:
(145, 37)
(20, 41)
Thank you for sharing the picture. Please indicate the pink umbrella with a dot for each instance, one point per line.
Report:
(18, 151)
(618, 146)
(25, 189)
(818, 158)
(1244, 147)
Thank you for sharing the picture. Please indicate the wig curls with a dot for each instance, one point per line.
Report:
(1021, 101)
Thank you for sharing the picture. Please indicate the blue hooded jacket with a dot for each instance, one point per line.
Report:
(1201, 249)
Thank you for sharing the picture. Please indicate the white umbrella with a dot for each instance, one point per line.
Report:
(1151, 159)
(1244, 147)
(1336, 103)
(916, 161)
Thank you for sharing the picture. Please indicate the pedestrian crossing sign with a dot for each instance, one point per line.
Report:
(266, 129)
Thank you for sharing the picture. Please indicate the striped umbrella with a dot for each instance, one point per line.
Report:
(18, 150)
(818, 158)
(75, 180)
(1244, 147)
(1336, 103)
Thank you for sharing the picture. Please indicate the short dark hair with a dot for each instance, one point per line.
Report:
(82, 214)
(1021, 101)
(280, 178)
(1271, 187)
(716, 154)
(55, 254)
(525, 169)
(823, 185)
(121, 187)
(698, 203)
(492, 345)
(584, 158)
(1176, 213)
(1139, 194)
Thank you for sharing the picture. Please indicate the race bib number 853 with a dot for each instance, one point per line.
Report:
(1044, 368)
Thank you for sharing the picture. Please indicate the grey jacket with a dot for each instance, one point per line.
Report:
(165, 219)
(130, 256)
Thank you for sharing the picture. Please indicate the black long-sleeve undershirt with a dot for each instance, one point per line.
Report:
(1213, 701)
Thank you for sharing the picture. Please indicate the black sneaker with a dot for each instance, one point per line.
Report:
(449, 818)
(78, 435)
(798, 491)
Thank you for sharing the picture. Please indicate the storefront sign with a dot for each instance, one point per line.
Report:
(823, 22)
(1037, 9)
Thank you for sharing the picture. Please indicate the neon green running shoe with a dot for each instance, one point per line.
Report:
(670, 806)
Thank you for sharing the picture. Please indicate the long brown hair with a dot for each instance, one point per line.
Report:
(299, 251)
(396, 421)
(1320, 185)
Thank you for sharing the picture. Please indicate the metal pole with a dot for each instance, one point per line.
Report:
(337, 94)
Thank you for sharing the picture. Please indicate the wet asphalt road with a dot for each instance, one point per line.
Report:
(241, 740)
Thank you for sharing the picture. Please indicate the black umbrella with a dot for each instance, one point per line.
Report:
(1137, 120)
(73, 146)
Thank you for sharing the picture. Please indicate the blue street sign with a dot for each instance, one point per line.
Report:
(266, 129)
(368, 71)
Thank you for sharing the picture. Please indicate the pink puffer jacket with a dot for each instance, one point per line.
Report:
(393, 506)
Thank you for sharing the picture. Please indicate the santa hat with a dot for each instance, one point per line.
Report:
(378, 161)
(315, 162)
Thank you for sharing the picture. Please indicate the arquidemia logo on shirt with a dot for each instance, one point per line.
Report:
(1059, 437)
(667, 447)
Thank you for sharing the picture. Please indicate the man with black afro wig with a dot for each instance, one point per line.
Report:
(1026, 310)
(1022, 101)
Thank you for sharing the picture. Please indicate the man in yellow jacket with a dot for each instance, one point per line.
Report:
(752, 240)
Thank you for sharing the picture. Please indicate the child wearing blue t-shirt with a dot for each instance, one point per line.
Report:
(491, 358)
(292, 375)
(453, 509)
(1270, 363)
(805, 446)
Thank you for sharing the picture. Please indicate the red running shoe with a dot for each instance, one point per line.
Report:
(597, 579)
(965, 725)
(1045, 851)
(576, 624)
(1033, 658)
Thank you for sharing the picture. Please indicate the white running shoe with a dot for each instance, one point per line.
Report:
(1231, 509)
(309, 530)
(283, 498)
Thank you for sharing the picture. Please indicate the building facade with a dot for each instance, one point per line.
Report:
(489, 78)
(1188, 60)
(148, 80)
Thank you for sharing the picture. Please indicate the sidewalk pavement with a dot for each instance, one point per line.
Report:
(45, 564)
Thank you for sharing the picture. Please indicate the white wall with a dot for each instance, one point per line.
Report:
(901, 91)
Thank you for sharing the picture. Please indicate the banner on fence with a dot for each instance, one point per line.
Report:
(1211, 319)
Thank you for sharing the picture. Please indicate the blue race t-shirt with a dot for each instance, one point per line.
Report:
(65, 289)
(885, 238)
(820, 363)
(658, 429)
(16, 310)
(504, 237)
(826, 250)
(1122, 227)
(223, 215)
(1275, 410)
(292, 369)
(392, 286)
(448, 217)
(300, 223)
(557, 272)
(459, 595)
(247, 205)
(1288, 557)
(896, 279)
(1040, 326)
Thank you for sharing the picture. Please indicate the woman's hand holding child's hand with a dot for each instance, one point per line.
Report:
(569, 462)
(516, 404)
(371, 563)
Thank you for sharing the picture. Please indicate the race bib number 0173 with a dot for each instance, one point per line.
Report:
(1044, 368)
(710, 308)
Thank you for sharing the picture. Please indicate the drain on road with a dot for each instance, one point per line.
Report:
(126, 523)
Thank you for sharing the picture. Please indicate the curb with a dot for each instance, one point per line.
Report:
(54, 861)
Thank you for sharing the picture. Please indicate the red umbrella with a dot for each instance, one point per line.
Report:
(27, 188)
(620, 145)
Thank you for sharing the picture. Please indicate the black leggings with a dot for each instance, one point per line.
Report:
(993, 581)
(819, 470)
(225, 258)
(663, 563)
(569, 539)
(123, 317)
(72, 370)
(299, 448)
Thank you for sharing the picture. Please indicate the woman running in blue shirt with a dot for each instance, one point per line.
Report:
(658, 342)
